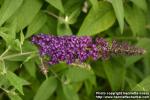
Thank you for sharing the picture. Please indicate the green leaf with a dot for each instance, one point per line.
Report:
(98, 20)
(88, 87)
(115, 72)
(1, 2)
(143, 43)
(77, 86)
(143, 86)
(59, 67)
(69, 92)
(136, 19)
(130, 82)
(63, 29)
(8, 33)
(60, 92)
(14, 96)
(73, 16)
(26, 13)
(28, 46)
(36, 24)
(12, 29)
(8, 9)
(131, 60)
(46, 89)
(94, 4)
(119, 11)
(50, 26)
(146, 62)
(11, 65)
(13, 56)
(57, 4)
(16, 81)
(141, 4)
(5, 37)
(73, 9)
(75, 74)
(98, 69)
(31, 67)
(3, 79)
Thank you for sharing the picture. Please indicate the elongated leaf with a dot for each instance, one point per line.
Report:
(143, 86)
(31, 68)
(98, 69)
(3, 79)
(146, 61)
(131, 82)
(88, 87)
(46, 89)
(94, 4)
(136, 19)
(12, 27)
(115, 72)
(36, 24)
(69, 92)
(63, 29)
(13, 56)
(98, 20)
(50, 26)
(76, 74)
(143, 43)
(59, 67)
(1, 2)
(77, 86)
(60, 93)
(26, 13)
(8, 9)
(9, 34)
(5, 37)
(57, 4)
(141, 4)
(73, 9)
(73, 16)
(14, 96)
(119, 11)
(16, 81)
(11, 65)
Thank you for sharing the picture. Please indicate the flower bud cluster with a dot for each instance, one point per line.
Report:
(120, 48)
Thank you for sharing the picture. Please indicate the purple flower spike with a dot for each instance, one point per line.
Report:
(73, 48)
(66, 48)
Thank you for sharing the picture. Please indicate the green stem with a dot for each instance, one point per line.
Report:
(16, 55)
(43, 68)
(4, 67)
(55, 16)
(55, 75)
(20, 48)
(5, 51)
(4, 90)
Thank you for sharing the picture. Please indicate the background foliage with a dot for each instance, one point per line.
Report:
(21, 77)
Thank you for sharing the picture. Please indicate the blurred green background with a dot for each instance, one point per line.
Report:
(21, 68)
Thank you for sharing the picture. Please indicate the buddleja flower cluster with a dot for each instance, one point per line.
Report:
(73, 48)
